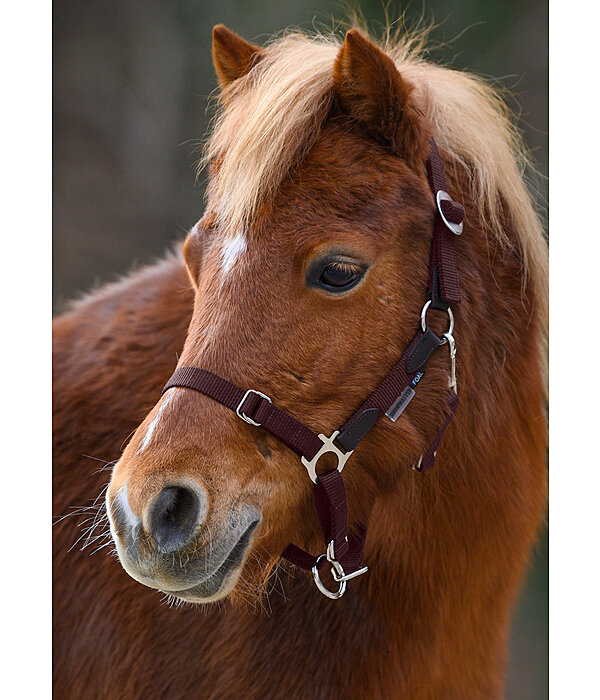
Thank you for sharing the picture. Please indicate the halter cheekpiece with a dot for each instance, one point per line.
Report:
(344, 548)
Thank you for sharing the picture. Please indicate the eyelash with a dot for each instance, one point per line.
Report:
(344, 269)
(335, 275)
(344, 266)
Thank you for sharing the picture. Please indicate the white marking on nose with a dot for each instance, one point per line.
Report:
(231, 249)
(122, 503)
(154, 422)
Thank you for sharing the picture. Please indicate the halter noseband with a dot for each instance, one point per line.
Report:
(344, 549)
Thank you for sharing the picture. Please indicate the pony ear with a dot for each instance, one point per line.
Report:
(232, 56)
(372, 91)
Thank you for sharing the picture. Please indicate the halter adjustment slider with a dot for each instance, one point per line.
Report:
(443, 196)
(241, 414)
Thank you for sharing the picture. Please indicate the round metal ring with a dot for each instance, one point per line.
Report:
(424, 321)
(443, 196)
(333, 595)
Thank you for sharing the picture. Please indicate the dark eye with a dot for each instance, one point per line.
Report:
(340, 274)
(337, 275)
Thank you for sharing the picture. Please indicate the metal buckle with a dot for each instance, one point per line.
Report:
(328, 446)
(348, 577)
(424, 321)
(242, 415)
(337, 571)
(452, 347)
(443, 196)
(417, 466)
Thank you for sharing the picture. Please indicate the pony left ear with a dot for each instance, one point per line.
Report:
(233, 56)
(372, 91)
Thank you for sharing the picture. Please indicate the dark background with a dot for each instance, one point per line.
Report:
(131, 82)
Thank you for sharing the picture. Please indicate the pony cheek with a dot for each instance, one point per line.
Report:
(390, 471)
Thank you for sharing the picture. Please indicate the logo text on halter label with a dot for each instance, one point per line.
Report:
(415, 380)
(395, 410)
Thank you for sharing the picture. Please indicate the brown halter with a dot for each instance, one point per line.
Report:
(344, 549)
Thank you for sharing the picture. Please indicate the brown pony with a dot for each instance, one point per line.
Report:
(308, 272)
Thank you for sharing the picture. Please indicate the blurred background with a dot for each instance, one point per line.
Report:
(131, 87)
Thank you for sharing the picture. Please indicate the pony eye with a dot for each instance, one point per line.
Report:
(335, 275)
(340, 274)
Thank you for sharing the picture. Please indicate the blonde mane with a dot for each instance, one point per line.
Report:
(273, 115)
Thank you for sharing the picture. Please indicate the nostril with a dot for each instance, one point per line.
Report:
(173, 517)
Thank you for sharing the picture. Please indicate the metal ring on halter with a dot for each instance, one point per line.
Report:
(443, 196)
(336, 567)
(424, 321)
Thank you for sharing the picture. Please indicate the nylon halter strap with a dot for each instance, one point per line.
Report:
(344, 548)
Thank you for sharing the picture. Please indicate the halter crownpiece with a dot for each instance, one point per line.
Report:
(344, 549)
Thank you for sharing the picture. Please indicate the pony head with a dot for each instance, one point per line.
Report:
(310, 268)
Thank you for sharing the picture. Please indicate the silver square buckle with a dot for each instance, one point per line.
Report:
(241, 414)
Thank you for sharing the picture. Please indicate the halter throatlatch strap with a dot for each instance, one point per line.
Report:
(344, 549)
(428, 459)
